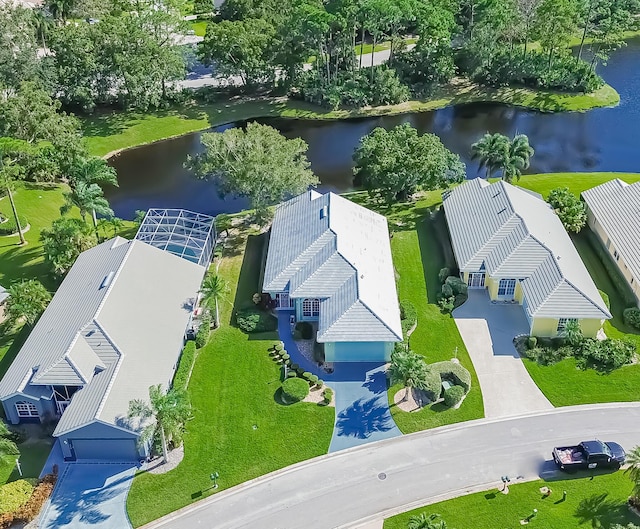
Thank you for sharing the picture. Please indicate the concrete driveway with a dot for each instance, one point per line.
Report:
(488, 330)
(90, 495)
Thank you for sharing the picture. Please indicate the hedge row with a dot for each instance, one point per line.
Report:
(408, 316)
(459, 375)
(618, 280)
(188, 356)
(202, 336)
(9, 227)
(32, 507)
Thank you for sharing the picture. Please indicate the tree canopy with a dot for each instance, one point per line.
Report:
(64, 242)
(258, 163)
(26, 301)
(570, 209)
(393, 164)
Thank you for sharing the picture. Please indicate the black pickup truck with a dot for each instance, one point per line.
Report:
(589, 454)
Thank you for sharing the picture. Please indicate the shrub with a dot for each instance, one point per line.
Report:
(433, 384)
(447, 304)
(294, 390)
(532, 341)
(453, 371)
(447, 290)
(453, 395)
(606, 355)
(328, 395)
(291, 374)
(408, 316)
(547, 355)
(306, 375)
(305, 329)
(29, 510)
(284, 355)
(631, 317)
(457, 285)
(202, 336)
(558, 341)
(571, 211)
(443, 274)
(294, 366)
(279, 346)
(9, 226)
(319, 382)
(254, 320)
(181, 376)
(14, 494)
(545, 341)
(313, 379)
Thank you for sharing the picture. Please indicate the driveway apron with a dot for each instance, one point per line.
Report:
(362, 408)
(90, 495)
(488, 330)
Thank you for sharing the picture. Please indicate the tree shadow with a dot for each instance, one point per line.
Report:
(376, 382)
(363, 418)
(601, 511)
(249, 281)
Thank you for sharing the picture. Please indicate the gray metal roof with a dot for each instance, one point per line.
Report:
(616, 205)
(117, 322)
(326, 246)
(515, 234)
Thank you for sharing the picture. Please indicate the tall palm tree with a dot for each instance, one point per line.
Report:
(8, 174)
(88, 198)
(491, 150)
(165, 413)
(213, 289)
(43, 25)
(92, 170)
(518, 158)
(633, 470)
(410, 369)
(426, 521)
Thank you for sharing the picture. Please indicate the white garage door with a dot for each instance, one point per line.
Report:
(111, 449)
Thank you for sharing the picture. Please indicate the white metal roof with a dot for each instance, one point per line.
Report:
(326, 246)
(616, 205)
(516, 234)
(115, 326)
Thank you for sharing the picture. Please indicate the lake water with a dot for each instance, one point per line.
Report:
(598, 140)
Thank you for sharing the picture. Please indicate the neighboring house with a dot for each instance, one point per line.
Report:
(509, 241)
(613, 212)
(115, 327)
(329, 261)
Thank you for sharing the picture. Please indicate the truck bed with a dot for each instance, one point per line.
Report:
(570, 455)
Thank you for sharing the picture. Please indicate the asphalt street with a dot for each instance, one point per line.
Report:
(350, 487)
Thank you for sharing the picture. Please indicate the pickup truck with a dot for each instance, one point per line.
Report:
(589, 454)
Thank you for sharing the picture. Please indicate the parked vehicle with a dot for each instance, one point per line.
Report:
(588, 455)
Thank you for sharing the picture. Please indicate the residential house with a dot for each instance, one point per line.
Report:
(613, 213)
(329, 262)
(510, 241)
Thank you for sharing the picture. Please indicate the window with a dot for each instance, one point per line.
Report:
(27, 409)
(616, 255)
(311, 308)
(507, 287)
(562, 323)
(283, 301)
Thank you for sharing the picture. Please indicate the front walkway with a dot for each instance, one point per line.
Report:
(362, 407)
(488, 330)
(90, 495)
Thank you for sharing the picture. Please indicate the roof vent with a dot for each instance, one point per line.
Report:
(502, 210)
(324, 212)
(107, 280)
(558, 257)
(497, 194)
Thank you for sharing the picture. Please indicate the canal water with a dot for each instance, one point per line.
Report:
(598, 140)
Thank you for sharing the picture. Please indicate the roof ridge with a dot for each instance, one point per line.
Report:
(341, 315)
(115, 278)
(606, 311)
(317, 271)
(378, 318)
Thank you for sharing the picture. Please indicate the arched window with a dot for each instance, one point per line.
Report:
(311, 308)
(26, 409)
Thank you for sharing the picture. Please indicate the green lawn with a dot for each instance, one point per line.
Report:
(232, 389)
(33, 455)
(199, 26)
(110, 132)
(597, 502)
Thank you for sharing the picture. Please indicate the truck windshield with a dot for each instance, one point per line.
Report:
(605, 449)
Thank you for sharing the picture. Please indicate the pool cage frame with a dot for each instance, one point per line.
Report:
(168, 229)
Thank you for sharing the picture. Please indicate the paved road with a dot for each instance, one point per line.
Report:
(488, 330)
(346, 488)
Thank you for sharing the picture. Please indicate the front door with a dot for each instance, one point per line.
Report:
(476, 280)
(506, 289)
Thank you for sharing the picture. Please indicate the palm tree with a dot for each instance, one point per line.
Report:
(43, 25)
(426, 521)
(87, 198)
(165, 413)
(633, 470)
(410, 369)
(92, 170)
(572, 332)
(491, 150)
(518, 157)
(213, 288)
(8, 175)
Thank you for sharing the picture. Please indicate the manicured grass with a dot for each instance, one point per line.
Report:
(233, 388)
(597, 502)
(200, 27)
(563, 383)
(109, 133)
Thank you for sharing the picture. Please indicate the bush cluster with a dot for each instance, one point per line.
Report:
(408, 316)
(631, 317)
(9, 226)
(14, 494)
(328, 395)
(453, 395)
(32, 507)
(294, 390)
(354, 89)
(453, 372)
(433, 384)
(255, 320)
(188, 356)
(305, 329)
(426, 67)
(202, 336)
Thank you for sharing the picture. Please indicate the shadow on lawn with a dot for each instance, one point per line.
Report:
(250, 272)
(601, 511)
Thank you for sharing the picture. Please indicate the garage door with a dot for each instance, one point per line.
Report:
(359, 352)
(111, 449)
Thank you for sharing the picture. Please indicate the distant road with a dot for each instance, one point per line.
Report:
(380, 479)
